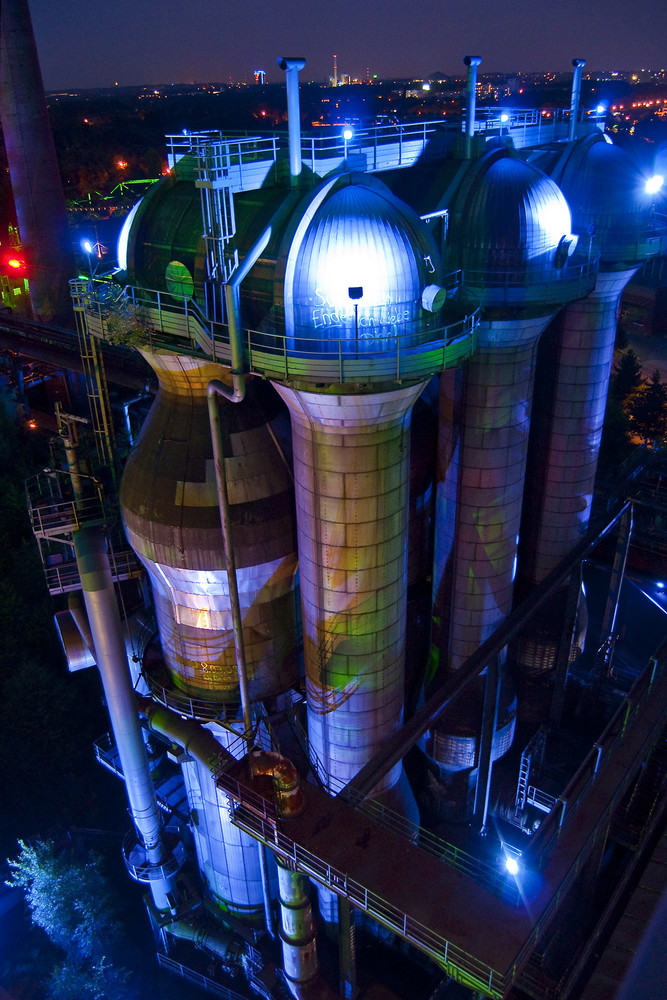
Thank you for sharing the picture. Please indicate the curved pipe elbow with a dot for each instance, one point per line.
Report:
(286, 780)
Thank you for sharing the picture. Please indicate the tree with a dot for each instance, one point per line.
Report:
(626, 376)
(648, 408)
(71, 901)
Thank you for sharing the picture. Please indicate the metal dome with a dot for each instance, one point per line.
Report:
(514, 218)
(605, 191)
(361, 247)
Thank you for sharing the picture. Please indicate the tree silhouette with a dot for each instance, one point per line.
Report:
(648, 408)
(70, 899)
(626, 376)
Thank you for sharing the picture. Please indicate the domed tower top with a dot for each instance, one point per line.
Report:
(605, 190)
(357, 245)
(511, 234)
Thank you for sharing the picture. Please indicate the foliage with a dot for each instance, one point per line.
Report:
(125, 324)
(98, 981)
(648, 408)
(626, 376)
(615, 445)
(70, 899)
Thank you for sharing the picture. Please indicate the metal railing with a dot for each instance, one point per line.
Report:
(204, 983)
(170, 319)
(457, 962)
(185, 704)
(544, 841)
(544, 286)
(242, 160)
(63, 577)
(147, 871)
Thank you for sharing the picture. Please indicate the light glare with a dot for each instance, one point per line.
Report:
(653, 184)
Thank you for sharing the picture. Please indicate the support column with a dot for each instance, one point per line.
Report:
(484, 471)
(351, 477)
(574, 368)
(297, 928)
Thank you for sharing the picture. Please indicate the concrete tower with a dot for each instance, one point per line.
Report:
(33, 167)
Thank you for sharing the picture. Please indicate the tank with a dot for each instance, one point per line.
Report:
(170, 511)
(354, 243)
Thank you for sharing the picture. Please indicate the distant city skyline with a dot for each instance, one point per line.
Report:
(132, 42)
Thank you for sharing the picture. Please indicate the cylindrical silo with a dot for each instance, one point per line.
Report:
(611, 214)
(354, 273)
(510, 232)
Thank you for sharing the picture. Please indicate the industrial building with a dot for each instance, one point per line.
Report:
(358, 693)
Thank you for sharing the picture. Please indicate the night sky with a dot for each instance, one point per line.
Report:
(94, 43)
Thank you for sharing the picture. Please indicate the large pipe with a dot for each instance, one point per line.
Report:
(198, 742)
(472, 62)
(574, 99)
(292, 66)
(215, 942)
(297, 930)
(111, 657)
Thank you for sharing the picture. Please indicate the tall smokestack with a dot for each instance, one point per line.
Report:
(292, 67)
(33, 167)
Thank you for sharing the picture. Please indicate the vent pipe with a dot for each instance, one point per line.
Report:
(472, 62)
(292, 66)
(574, 100)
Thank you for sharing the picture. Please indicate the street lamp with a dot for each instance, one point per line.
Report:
(356, 292)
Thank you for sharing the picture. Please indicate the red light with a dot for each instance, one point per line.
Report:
(12, 264)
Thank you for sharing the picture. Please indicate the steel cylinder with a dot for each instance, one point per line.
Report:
(351, 456)
(170, 510)
(297, 926)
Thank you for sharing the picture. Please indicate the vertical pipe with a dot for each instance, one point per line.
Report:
(297, 930)
(472, 62)
(574, 99)
(230, 560)
(111, 657)
(347, 959)
(489, 725)
(266, 890)
(292, 67)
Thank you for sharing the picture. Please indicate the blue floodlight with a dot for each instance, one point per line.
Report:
(87, 246)
(504, 118)
(601, 108)
(348, 133)
(654, 183)
(512, 865)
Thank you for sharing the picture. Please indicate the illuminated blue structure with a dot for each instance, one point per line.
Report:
(339, 288)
